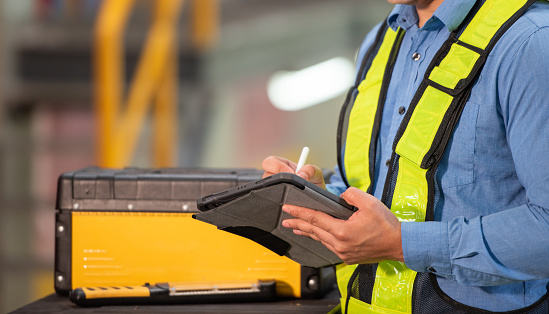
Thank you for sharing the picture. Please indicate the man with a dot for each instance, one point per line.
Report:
(470, 214)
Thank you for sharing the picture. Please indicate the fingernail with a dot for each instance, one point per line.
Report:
(285, 224)
(303, 175)
(285, 209)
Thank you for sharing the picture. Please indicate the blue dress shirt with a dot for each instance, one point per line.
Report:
(489, 243)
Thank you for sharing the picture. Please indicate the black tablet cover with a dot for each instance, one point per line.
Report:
(254, 211)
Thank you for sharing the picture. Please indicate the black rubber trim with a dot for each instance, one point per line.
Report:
(63, 252)
(215, 200)
(212, 201)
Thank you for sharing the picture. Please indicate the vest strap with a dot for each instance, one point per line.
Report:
(343, 124)
(423, 135)
(363, 114)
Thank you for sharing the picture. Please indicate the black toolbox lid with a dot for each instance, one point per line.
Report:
(141, 189)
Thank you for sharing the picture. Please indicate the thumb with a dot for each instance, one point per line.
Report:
(356, 197)
(274, 164)
(312, 174)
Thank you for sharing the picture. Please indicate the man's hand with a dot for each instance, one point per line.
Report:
(273, 164)
(370, 235)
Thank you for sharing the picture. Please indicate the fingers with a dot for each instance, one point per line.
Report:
(370, 235)
(309, 222)
(304, 228)
(274, 164)
(309, 227)
(311, 216)
(312, 174)
(358, 198)
(314, 237)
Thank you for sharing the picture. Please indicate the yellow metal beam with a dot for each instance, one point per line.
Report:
(118, 128)
(205, 23)
(165, 115)
(151, 67)
(108, 52)
(120, 120)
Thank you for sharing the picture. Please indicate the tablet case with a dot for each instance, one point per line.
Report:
(258, 216)
(129, 227)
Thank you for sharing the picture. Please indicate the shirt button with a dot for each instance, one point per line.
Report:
(431, 269)
(388, 162)
(416, 56)
(401, 110)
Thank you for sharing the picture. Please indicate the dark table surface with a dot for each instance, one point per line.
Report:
(60, 304)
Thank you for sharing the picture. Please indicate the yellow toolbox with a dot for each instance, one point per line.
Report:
(128, 227)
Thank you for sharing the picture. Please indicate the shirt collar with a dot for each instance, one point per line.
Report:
(450, 13)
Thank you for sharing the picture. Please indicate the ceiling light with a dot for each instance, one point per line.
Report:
(296, 90)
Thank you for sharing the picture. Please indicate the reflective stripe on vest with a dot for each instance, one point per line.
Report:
(420, 141)
(363, 114)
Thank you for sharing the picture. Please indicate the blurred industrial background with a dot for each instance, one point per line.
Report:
(199, 83)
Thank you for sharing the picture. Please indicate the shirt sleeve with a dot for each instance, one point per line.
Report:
(336, 185)
(366, 43)
(511, 245)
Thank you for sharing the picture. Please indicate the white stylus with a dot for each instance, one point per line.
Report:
(302, 158)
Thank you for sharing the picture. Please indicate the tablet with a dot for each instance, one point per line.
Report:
(254, 210)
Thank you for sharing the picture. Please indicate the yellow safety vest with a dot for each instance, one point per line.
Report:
(418, 147)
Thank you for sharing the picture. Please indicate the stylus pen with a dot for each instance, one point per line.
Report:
(302, 158)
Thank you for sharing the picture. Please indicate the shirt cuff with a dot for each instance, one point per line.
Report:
(334, 189)
(425, 247)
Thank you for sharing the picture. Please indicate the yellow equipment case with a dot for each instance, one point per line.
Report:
(131, 227)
